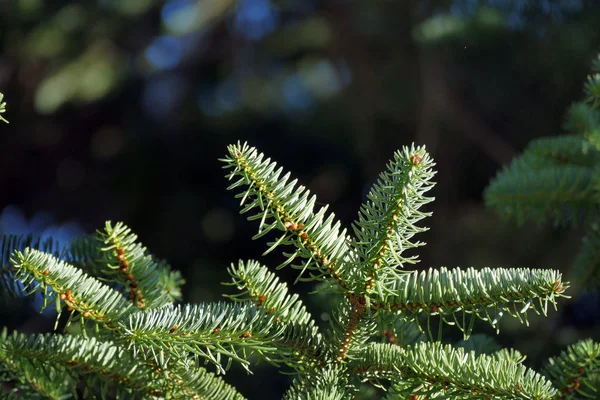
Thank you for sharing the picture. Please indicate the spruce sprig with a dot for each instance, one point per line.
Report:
(586, 266)
(329, 383)
(576, 371)
(592, 89)
(302, 345)
(564, 195)
(10, 243)
(284, 206)
(411, 371)
(486, 294)
(2, 108)
(103, 364)
(61, 283)
(85, 253)
(210, 331)
(387, 221)
(147, 282)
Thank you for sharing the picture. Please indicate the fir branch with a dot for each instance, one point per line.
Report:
(428, 368)
(512, 355)
(582, 118)
(586, 266)
(22, 377)
(103, 365)
(30, 376)
(10, 243)
(260, 286)
(171, 281)
(329, 383)
(198, 384)
(486, 294)
(208, 331)
(596, 64)
(399, 329)
(44, 273)
(576, 371)
(2, 108)
(147, 282)
(563, 194)
(350, 328)
(592, 89)
(557, 151)
(289, 208)
(386, 222)
(85, 252)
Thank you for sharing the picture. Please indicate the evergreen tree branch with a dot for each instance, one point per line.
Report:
(199, 384)
(148, 283)
(289, 208)
(545, 157)
(486, 294)
(576, 371)
(260, 286)
(557, 151)
(509, 355)
(596, 64)
(86, 252)
(22, 376)
(27, 378)
(386, 222)
(103, 365)
(209, 331)
(10, 243)
(2, 108)
(430, 368)
(350, 328)
(397, 329)
(592, 89)
(328, 383)
(582, 118)
(44, 273)
(586, 266)
(484, 344)
(564, 194)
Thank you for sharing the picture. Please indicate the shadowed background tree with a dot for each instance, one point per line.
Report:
(119, 110)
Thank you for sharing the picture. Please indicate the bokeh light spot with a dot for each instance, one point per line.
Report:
(165, 52)
(179, 15)
(255, 18)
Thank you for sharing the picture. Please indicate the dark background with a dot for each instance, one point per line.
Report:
(119, 111)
